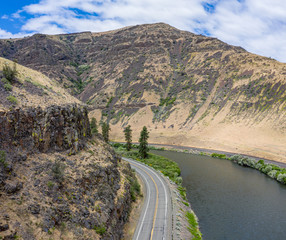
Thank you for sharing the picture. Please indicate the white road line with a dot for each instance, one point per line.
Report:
(165, 191)
(148, 189)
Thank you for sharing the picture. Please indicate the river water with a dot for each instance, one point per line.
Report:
(232, 202)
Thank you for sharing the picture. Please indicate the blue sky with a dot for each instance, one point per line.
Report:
(259, 26)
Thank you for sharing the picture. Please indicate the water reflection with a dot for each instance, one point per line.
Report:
(232, 202)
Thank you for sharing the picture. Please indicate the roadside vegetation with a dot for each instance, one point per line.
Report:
(167, 167)
(194, 226)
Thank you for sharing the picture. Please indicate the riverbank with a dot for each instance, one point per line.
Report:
(206, 151)
(184, 221)
(273, 169)
(232, 202)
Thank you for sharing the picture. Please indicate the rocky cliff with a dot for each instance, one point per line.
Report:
(55, 128)
(55, 181)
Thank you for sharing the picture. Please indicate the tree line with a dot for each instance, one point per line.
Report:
(143, 140)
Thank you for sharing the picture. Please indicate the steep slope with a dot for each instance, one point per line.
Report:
(55, 181)
(31, 89)
(187, 89)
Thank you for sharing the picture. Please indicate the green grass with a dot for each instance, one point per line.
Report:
(100, 230)
(12, 99)
(135, 188)
(8, 87)
(165, 166)
(193, 226)
(170, 169)
(167, 101)
(3, 159)
(218, 155)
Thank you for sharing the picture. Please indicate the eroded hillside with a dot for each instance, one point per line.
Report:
(187, 89)
(56, 182)
(30, 89)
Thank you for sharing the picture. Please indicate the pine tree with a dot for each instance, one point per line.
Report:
(143, 146)
(93, 126)
(105, 131)
(128, 137)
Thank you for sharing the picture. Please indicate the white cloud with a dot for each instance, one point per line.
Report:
(181, 13)
(256, 25)
(5, 34)
(4, 17)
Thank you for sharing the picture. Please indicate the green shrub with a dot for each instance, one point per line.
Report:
(4, 80)
(182, 192)
(179, 180)
(167, 101)
(3, 159)
(58, 170)
(100, 230)
(8, 87)
(9, 72)
(50, 184)
(135, 188)
(186, 203)
(267, 168)
(193, 226)
(218, 155)
(272, 173)
(93, 126)
(282, 178)
(258, 166)
(12, 99)
(261, 162)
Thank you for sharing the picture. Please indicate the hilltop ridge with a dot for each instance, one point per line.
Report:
(187, 89)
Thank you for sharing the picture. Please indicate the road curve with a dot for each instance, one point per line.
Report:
(155, 222)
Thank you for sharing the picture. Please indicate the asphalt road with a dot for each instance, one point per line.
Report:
(155, 222)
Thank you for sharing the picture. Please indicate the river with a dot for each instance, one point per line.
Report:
(232, 202)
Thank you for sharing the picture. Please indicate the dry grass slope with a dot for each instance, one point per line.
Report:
(187, 89)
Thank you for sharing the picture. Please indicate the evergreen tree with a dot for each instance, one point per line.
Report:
(105, 131)
(93, 126)
(128, 137)
(143, 146)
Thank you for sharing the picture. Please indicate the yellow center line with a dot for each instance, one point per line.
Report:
(157, 198)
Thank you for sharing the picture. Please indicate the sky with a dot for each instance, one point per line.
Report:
(259, 26)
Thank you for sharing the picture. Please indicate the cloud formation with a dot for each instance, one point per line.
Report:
(256, 25)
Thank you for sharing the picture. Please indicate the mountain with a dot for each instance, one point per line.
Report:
(187, 89)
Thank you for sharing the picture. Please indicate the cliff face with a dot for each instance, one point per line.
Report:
(56, 182)
(55, 128)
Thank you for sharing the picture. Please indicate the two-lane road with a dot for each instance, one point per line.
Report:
(155, 220)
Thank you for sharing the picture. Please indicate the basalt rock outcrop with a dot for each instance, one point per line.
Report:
(59, 196)
(55, 128)
(56, 181)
